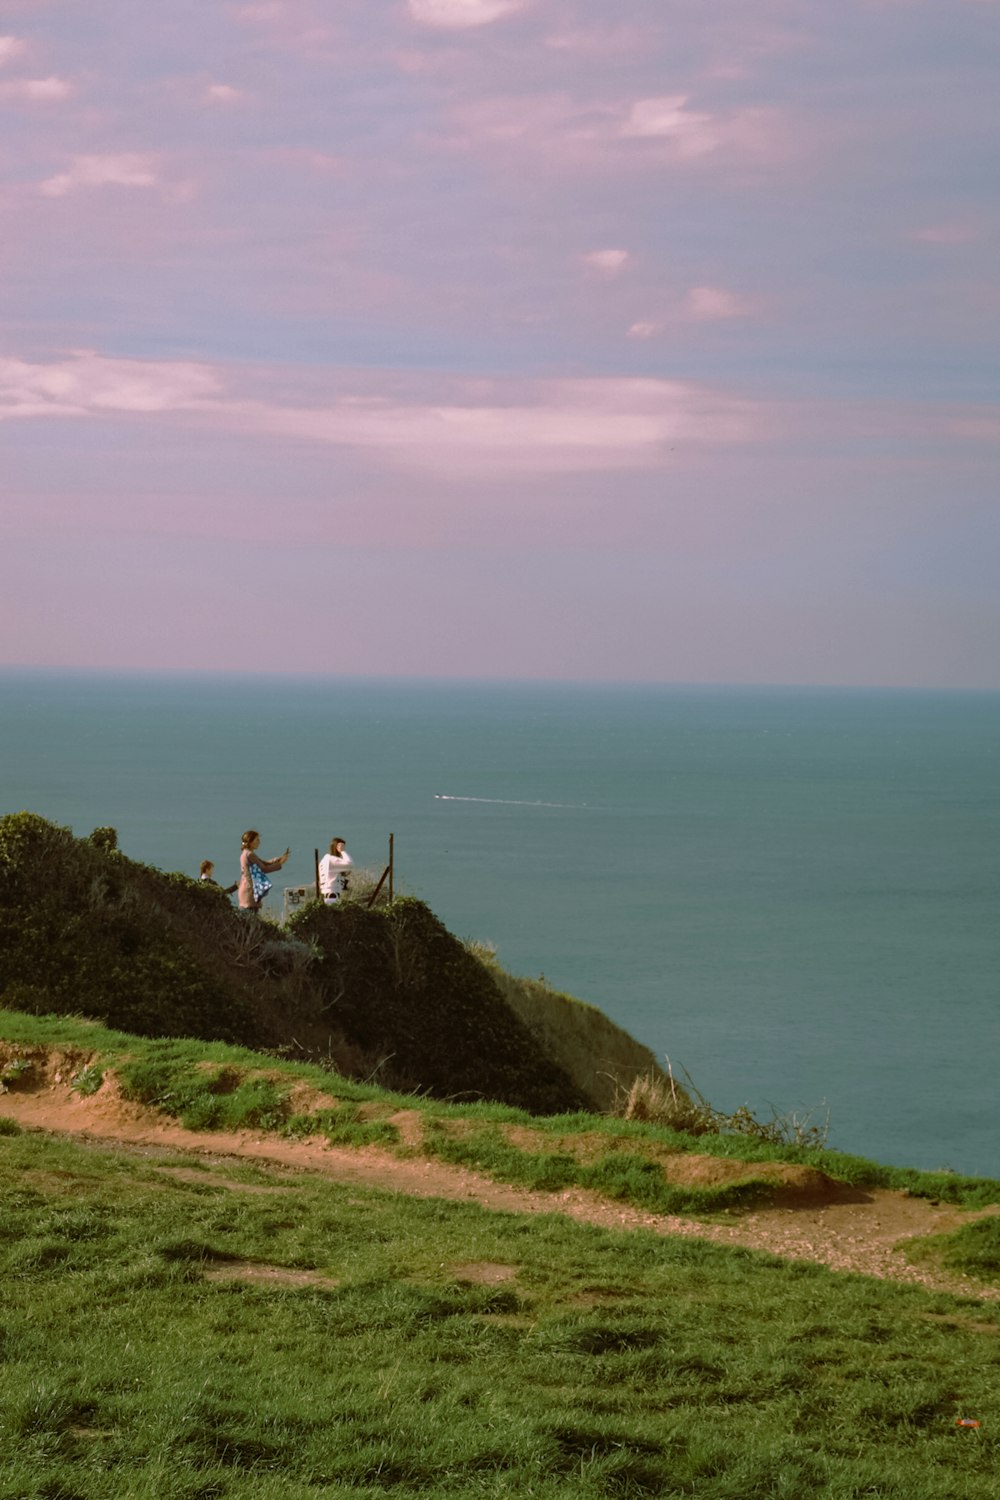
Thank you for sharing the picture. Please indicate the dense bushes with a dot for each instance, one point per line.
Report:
(404, 987)
(84, 930)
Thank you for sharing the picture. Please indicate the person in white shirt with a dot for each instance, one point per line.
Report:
(333, 870)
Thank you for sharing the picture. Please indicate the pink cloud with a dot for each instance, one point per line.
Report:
(10, 47)
(41, 89)
(598, 132)
(687, 135)
(499, 428)
(119, 169)
(607, 262)
(89, 384)
(668, 118)
(462, 14)
(223, 93)
(710, 303)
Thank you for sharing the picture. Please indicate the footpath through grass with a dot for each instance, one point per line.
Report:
(440, 1349)
(212, 1086)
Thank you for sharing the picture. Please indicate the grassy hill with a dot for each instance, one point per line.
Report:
(186, 1324)
(180, 1326)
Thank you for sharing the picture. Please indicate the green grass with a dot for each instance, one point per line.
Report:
(974, 1249)
(621, 1174)
(607, 1365)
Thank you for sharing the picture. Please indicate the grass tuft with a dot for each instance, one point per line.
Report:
(656, 1099)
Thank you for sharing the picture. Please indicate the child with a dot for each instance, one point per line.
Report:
(208, 876)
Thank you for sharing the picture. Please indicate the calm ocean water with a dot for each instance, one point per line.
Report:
(793, 893)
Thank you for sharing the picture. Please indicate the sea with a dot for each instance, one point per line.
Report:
(791, 894)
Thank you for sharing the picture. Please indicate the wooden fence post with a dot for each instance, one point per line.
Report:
(391, 842)
(316, 866)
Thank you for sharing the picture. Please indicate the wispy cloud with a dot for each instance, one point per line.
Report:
(566, 426)
(687, 134)
(10, 47)
(513, 427)
(462, 14)
(320, 230)
(711, 303)
(89, 384)
(669, 118)
(119, 169)
(36, 89)
(614, 134)
(607, 262)
(223, 93)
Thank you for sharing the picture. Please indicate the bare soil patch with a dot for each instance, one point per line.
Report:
(484, 1272)
(251, 1270)
(209, 1179)
(837, 1227)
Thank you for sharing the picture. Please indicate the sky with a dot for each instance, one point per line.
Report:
(531, 339)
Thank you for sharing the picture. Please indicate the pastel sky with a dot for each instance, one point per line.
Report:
(653, 340)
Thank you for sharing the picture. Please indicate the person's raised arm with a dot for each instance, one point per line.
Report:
(273, 864)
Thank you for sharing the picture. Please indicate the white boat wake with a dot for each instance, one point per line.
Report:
(509, 802)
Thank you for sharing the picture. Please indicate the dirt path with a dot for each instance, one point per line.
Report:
(861, 1235)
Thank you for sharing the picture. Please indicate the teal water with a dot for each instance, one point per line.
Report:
(794, 894)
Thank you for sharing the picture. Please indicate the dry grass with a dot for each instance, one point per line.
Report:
(657, 1099)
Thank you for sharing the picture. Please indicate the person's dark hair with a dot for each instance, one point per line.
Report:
(249, 837)
(334, 842)
(205, 866)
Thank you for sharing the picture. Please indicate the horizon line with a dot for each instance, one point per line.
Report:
(239, 674)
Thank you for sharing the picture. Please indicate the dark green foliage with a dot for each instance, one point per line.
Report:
(403, 986)
(104, 838)
(86, 931)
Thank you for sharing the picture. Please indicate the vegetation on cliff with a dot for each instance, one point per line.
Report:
(386, 992)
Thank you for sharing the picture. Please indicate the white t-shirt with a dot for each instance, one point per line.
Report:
(332, 869)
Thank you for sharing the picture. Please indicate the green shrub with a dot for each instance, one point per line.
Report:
(86, 931)
(88, 1079)
(401, 987)
(14, 1070)
(105, 839)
